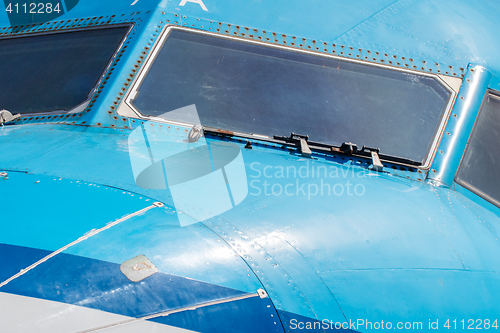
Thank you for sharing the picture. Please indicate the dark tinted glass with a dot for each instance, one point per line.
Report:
(480, 167)
(54, 71)
(263, 90)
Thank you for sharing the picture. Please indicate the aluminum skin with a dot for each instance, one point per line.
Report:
(401, 245)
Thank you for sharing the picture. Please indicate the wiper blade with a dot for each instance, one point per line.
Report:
(349, 148)
(7, 117)
(306, 147)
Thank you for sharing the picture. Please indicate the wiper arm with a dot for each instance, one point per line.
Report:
(349, 148)
(7, 117)
(299, 140)
(306, 147)
(377, 165)
(352, 149)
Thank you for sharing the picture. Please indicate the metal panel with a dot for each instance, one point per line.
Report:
(460, 125)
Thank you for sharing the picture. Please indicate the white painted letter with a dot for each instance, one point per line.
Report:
(199, 2)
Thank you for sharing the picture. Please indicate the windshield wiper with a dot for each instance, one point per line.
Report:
(349, 148)
(299, 140)
(306, 147)
(7, 117)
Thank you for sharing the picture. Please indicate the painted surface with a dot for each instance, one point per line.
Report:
(326, 238)
(369, 252)
(22, 314)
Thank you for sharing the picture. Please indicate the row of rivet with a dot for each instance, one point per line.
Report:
(72, 24)
(323, 47)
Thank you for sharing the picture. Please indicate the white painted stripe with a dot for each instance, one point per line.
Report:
(84, 237)
(21, 314)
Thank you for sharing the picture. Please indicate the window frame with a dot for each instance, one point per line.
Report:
(471, 188)
(144, 70)
(79, 107)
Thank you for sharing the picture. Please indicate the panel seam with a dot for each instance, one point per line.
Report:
(89, 234)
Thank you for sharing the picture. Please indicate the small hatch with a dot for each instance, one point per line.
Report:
(138, 268)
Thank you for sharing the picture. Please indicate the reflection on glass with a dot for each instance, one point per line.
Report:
(204, 179)
(264, 90)
(55, 71)
(480, 166)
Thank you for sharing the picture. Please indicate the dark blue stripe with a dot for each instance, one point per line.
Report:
(101, 285)
(15, 258)
(248, 315)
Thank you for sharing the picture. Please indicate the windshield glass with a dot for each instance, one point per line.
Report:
(480, 167)
(254, 88)
(55, 71)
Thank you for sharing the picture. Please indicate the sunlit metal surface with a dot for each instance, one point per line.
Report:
(324, 236)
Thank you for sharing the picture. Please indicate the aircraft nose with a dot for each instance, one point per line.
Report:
(116, 258)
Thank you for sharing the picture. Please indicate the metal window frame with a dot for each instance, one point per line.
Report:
(431, 152)
(76, 108)
(489, 93)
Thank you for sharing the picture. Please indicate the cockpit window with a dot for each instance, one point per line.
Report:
(255, 88)
(54, 71)
(480, 167)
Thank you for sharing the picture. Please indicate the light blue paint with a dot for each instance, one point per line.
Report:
(420, 296)
(45, 212)
(200, 190)
(395, 225)
(194, 251)
(288, 240)
(450, 33)
(403, 249)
